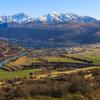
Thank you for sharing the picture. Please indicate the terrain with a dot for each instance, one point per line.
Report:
(50, 31)
(16, 58)
(52, 74)
(52, 57)
(7, 50)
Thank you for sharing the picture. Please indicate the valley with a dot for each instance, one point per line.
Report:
(51, 73)
(52, 57)
(50, 50)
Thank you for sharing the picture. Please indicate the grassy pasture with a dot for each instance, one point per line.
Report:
(4, 75)
(59, 59)
(28, 60)
(93, 55)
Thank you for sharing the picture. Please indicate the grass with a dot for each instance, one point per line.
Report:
(75, 70)
(36, 60)
(54, 73)
(4, 75)
(23, 61)
(59, 59)
(93, 55)
(28, 60)
(94, 58)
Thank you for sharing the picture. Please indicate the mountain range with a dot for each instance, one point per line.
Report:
(51, 30)
(49, 18)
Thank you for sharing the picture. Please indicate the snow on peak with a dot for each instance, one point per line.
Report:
(54, 17)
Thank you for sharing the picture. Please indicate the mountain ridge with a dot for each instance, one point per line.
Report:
(51, 30)
(48, 18)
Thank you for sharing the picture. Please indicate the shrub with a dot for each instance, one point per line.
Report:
(79, 85)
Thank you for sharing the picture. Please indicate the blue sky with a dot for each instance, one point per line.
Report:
(36, 8)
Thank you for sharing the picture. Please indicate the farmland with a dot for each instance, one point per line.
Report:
(5, 75)
(52, 74)
(91, 53)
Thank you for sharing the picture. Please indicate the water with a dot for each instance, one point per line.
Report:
(22, 53)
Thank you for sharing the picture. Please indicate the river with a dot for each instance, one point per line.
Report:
(20, 54)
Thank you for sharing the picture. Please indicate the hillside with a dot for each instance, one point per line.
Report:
(7, 50)
(58, 35)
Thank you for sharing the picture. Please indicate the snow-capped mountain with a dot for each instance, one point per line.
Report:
(62, 18)
(18, 18)
(49, 18)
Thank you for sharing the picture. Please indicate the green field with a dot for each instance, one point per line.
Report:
(4, 75)
(93, 55)
(95, 59)
(59, 59)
